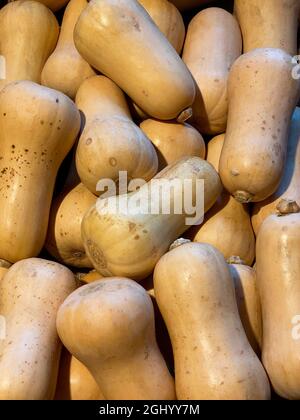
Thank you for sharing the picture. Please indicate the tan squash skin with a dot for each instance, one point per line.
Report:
(3, 271)
(110, 137)
(248, 301)
(169, 20)
(38, 127)
(213, 358)
(227, 225)
(63, 240)
(212, 33)
(28, 35)
(173, 141)
(260, 110)
(54, 4)
(65, 69)
(278, 272)
(30, 295)
(131, 244)
(290, 183)
(268, 23)
(130, 32)
(74, 381)
(119, 348)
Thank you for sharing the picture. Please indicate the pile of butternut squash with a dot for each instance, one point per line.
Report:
(98, 304)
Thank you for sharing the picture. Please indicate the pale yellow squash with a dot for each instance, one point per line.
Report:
(227, 225)
(173, 141)
(268, 23)
(110, 141)
(30, 295)
(168, 19)
(278, 272)
(131, 241)
(155, 78)
(63, 240)
(212, 44)
(65, 69)
(213, 358)
(289, 187)
(28, 35)
(74, 381)
(38, 127)
(119, 348)
(262, 98)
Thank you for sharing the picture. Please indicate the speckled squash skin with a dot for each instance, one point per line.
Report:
(130, 32)
(28, 35)
(63, 240)
(119, 348)
(38, 127)
(213, 358)
(65, 69)
(30, 295)
(289, 187)
(262, 98)
(278, 271)
(268, 24)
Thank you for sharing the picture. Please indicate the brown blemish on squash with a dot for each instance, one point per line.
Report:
(131, 226)
(277, 149)
(137, 237)
(136, 24)
(88, 141)
(96, 254)
(113, 161)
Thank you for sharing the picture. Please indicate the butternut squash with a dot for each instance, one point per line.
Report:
(3, 271)
(28, 35)
(227, 225)
(65, 69)
(130, 242)
(268, 23)
(213, 358)
(173, 141)
(38, 127)
(110, 142)
(278, 271)
(119, 347)
(63, 240)
(30, 295)
(290, 182)
(54, 4)
(260, 109)
(212, 44)
(74, 381)
(168, 19)
(92, 276)
(248, 300)
(109, 31)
